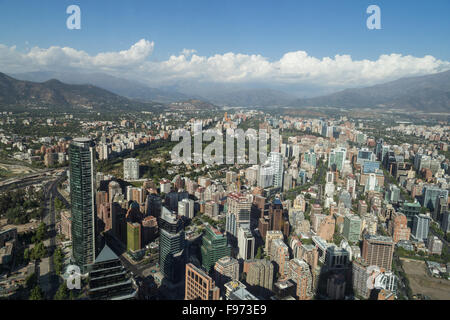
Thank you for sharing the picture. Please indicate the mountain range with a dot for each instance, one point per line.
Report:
(60, 96)
(429, 93)
(220, 94)
(123, 87)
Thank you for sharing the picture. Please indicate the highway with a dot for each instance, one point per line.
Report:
(50, 193)
(29, 179)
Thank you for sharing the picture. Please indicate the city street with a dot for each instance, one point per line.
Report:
(48, 279)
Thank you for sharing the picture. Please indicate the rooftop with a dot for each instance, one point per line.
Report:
(106, 255)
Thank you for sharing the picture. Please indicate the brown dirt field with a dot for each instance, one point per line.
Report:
(21, 227)
(421, 282)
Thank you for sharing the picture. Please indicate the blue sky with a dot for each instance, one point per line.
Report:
(269, 29)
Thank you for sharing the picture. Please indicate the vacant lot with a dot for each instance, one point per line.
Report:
(421, 282)
(20, 228)
(16, 169)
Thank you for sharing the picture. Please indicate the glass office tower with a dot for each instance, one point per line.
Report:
(171, 246)
(214, 246)
(82, 195)
(109, 280)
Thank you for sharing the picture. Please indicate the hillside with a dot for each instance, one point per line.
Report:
(123, 87)
(56, 95)
(430, 93)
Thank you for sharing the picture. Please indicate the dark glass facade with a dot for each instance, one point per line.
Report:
(82, 195)
(109, 280)
(171, 246)
(214, 247)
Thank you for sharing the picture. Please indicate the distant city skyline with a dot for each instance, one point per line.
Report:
(250, 43)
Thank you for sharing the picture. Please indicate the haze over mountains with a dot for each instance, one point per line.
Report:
(123, 87)
(218, 94)
(429, 93)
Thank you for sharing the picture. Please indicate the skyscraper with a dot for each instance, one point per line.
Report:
(360, 277)
(352, 227)
(272, 235)
(246, 243)
(134, 237)
(82, 195)
(337, 158)
(186, 208)
(445, 222)
(114, 189)
(364, 155)
(277, 218)
(435, 245)
(279, 253)
(392, 194)
(214, 246)
(131, 169)
(431, 196)
(398, 227)
(238, 212)
(171, 245)
(310, 158)
(298, 271)
(336, 286)
(378, 251)
(410, 209)
(109, 280)
(265, 176)
(199, 285)
(421, 225)
(153, 205)
(226, 269)
(260, 273)
(276, 162)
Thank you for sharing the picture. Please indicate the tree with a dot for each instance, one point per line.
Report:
(38, 252)
(59, 205)
(36, 294)
(41, 232)
(259, 253)
(58, 260)
(62, 293)
(26, 254)
(31, 281)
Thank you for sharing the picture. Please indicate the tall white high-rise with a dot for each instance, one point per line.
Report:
(371, 182)
(337, 157)
(131, 169)
(265, 177)
(186, 208)
(246, 243)
(276, 162)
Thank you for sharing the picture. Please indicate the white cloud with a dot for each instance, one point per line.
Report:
(293, 67)
(60, 58)
(188, 52)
